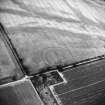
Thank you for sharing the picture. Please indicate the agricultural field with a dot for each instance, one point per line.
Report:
(49, 35)
(7, 67)
(46, 34)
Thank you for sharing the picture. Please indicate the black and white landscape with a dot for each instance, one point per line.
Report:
(49, 33)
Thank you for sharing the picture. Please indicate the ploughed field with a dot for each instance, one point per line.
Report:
(9, 68)
(85, 85)
(62, 35)
(43, 47)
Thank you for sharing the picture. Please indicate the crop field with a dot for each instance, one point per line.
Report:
(50, 38)
(7, 67)
(85, 85)
(48, 47)
(48, 35)
(21, 92)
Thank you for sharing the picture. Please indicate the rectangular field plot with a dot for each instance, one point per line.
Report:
(20, 92)
(85, 85)
(49, 38)
(9, 70)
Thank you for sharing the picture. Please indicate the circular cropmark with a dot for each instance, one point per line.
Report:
(55, 55)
